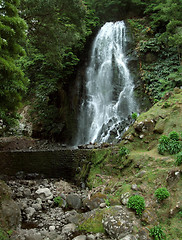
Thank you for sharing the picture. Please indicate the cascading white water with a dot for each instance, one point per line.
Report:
(109, 87)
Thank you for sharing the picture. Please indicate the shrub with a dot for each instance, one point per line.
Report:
(179, 159)
(174, 147)
(158, 233)
(123, 151)
(134, 116)
(162, 148)
(174, 135)
(161, 194)
(164, 139)
(137, 203)
(169, 144)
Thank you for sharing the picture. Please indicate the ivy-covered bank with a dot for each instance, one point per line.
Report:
(159, 60)
(137, 167)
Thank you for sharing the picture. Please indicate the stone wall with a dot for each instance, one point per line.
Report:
(71, 165)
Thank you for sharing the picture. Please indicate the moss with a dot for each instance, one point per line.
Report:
(3, 235)
(93, 223)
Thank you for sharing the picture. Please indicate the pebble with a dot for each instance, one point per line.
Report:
(52, 228)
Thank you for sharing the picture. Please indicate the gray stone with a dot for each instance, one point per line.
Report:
(74, 201)
(44, 193)
(69, 228)
(37, 206)
(81, 237)
(129, 237)
(102, 205)
(27, 192)
(134, 187)
(52, 228)
(36, 236)
(10, 212)
(91, 237)
(119, 222)
(125, 198)
(141, 174)
(30, 211)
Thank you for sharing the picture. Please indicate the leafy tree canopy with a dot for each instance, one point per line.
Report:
(12, 81)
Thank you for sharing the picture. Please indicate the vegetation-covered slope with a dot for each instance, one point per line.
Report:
(135, 166)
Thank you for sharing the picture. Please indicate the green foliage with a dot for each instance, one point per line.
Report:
(134, 115)
(161, 194)
(174, 147)
(3, 235)
(107, 202)
(137, 203)
(123, 151)
(157, 233)
(174, 135)
(162, 73)
(57, 34)
(169, 144)
(12, 80)
(179, 159)
(93, 223)
(58, 201)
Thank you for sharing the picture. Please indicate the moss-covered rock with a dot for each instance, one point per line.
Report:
(10, 216)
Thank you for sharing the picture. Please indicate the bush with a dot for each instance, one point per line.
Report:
(174, 147)
(137, 203)
(161, 194)
(164, 139)
(169, 144)
(179, 159)
(174, 135)
(123, 151)
(162, 148)
(134, 116)
(158, 233)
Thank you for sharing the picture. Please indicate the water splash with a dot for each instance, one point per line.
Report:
(109, 87)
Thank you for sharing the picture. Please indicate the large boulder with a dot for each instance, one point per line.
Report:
(94, 201)
(10, 215)
(74, 201)
(119, 223)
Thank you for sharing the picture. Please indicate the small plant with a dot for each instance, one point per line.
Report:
(123, 151)
(134, 116)
(161, 194)
(137, 203)
(3, 235)
(157, 233)
(174, 135)
(179, 159)
(107, 202)
(58, 201)
(180, 214)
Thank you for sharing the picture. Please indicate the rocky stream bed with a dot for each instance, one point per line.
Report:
(53, 209)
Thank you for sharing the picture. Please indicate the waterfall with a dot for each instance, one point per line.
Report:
(109, 88)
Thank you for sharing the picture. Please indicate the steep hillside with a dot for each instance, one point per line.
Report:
(135, 166)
